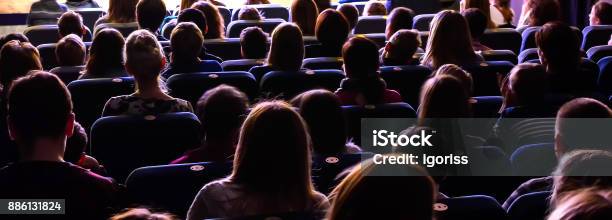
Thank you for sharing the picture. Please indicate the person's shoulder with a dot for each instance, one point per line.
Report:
(215, 189)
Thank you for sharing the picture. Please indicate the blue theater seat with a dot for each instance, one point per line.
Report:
(370, 24)
(354, 114)
(604, 81)
(289, 84)
(267, 10)
(47, 55)
(166, 30)
(499, 55)
(321, 63)
(90, 16)
(267, 25)
(47, 34)
(486, 106)
(597, 53)
(379, 38)
(241, 65)
(124, 143)
(124, 28)
(326, 168)
(486, 75)
(531, 206)
(226, 14)
(534, 160)
(595, 36)
(407, 80)
(68, 73)
(191, 86)
(469, 207)
(502, 39)
(527, 55)
(226, 49)
(422, 22)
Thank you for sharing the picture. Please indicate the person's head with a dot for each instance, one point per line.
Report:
(45, 122)
(331, 29)
(505, 9)
(385, 184)
(185, 4)
(460, 74)
(122, 11)
(76, 144)
(400, 18)
(544, 11)
(483, 5)
(71, 23)
(13, 36)
(360, 57)
(601, 14)
(195, 16)
(150, 14)
(304, 13)
(186, 42)
(569, 135)
(273, 154)
(16, 60)
(256, 2)
(559, 46)
(144, 58)
(527, 85)
(322, 111)
(221, 111)
(142, 214)
(253, 43)
(443, 96)
(351, 13)
(582, 169)
(402, 45)
(214, 21)
(70, 51)
(287, 48)
(249, 13)
(106, 52)
(590, 203)
(449, 41)
(374, 8)
(477, 22)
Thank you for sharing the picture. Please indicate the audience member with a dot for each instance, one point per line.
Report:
(331, 31)
(601, 14)
(150, 14)
(525, 87)
(539, 12)
(400, 18)
(286, 51)
(483, 5)
(76, 145)
(45, 12)
(351, 13)
(119, 11)
(443, 96)
(249, 13)
(106, 56)
(581, 169)
(502, 14)
(81, 4)
(460, 74)
(71, 23)
(590, 203)
(186, 42)
(477, 22)
(214, 21)
(253, 43)
(16, 60)
(13, 36)
(256, 2)
(304, 14)
(70, 51)
(194, 16)
(374, 8)
(400, 48)
(142, 214)
(185, 4)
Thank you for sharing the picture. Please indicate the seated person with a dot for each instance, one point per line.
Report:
(581, 169)
(222, 110)
(121, 12)
(589, 203)
(539, 12)
(477, 22)
(304, 14)
(253, 49)
(400, 18)
(70, 53)
(502, 14)
(601, 14)
(40, 127)
(363, 85)
(186, 42)
(286, 51)
(150, 14)
(249, 13)
(214, 20)
(45, 12)
(13, 36)
(460, 74)
(76, 145)
(79, 4)
(197, 17)
(351, 13)
(331, 30)
(400, 49)
(374, 8)
(145, 60)
(71, 23)
(105, 59)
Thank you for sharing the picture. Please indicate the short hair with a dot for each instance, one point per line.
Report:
(569, 126)
(222, 110)
(195, 16)
(287, 48)
(404, 44)
(33, 117)
(331, 29)
(464, 77)
(214, 21)
(76, 144)
(374, 8)
(13, 36)
(150, 14)
(253, 43)
(560, 46)
(143, 55)
(351, 13)
(122, 11)
(304, 13)
(186, 42)
(477, 22)
(589, 203)
(71, 23)
(16, 60)
(603, 11)
(142, 214)
(544, 11)
(581, 169)
(399, 18)
(249, 13)
(528, 83)
(360, 57)
(70, 51)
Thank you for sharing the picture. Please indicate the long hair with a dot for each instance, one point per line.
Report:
(185, 4)
(361, 65)
(122, 11)
(106, 52)
(214, 21)
(304, 13)
(449, 42)
(332, 29)
(484, 6)
(443, 97)
(287, 48)
(16, 60)
(559, 45)
(544, 11)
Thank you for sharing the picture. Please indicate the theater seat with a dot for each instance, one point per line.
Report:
(289, 84)
(486, 75)
(469, 207)
(321, 63)
(326, 168)
(422, 22)
(124, 28)
(486, 106)
(267, 10)
(354, 114)
(370, 24)
(531, 206)
(534, 160)
(166, 30)
(68, 73)
(242, 64)
(407, 80)
(595, 36)
(47, 55)
(150, 185)
(90, 16)
(47, 34)
(527, 55)
(528, 36)
(226, 49)
(90, 95)
(597, 53)
(502, 39)
(499, 55)
(379, 38)
(604, 81)
(191, 86)
(267, 25)
(226, 14)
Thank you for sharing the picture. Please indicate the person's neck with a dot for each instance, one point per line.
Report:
(149, 90)
(46, 150)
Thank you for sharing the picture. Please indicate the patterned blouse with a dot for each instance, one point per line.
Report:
(133, 105)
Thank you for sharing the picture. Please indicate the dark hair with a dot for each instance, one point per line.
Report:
(443, 97)
(221, 111)
(559, 45)
(195, 16)
(76, 144)
(304, 13)
(399, 18)
(403, 44)
(331, 29)
(13, 36)
(603, 11)
(361, 64)
(544, 11)
(573, 134)
(581, 169)
(186, 42)
(33, 117)
(70, 23)
(16, 60)
(70, 51)
(150, 14)
(122, 11)
(144, 57)
(323, 4)
(351, 13)
(528, 83)
(253, 43)
(214, 21)
(374, 8)
(477, 22)
(106, 52)
(287, 48)
(449, 41)
(249, 13)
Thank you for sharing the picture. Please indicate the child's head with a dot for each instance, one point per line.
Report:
(350, 12)
(253, 43)
(70, 51)
(287, 48)
(360, 57)
(106, 51)
(443, 97)
(581, 169)
(304, 13)
(400, 18)
(144, 57)
(402, 45)
(16, 60)
(13, 36)
(527, 84)
(601, 14)
(374, 8)
(214, 21)
(249, 13)
(221, 111)
(186, 42)
(477, 22)
(559, 47)
(194, 16)
(150, 14)
(71, 23)
(331, 29)
(463, 76)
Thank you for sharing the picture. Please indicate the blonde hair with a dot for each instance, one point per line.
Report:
(374, 8)
(449, 41)
(144, 55)
(463, 76)
(589, 203)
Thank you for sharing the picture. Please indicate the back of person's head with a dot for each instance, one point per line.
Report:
(460, 74)
(256, 2)
(16, 60)
(399, 18)
(13, 36)
(214, 21)
(273, 155)
(601, 14)
(185, 4)
(385, 184)
(144, 57)
(331, 29)
(142, 214)
(559, 46)
(122, 11)
(402, 45)
(150, 14)
(221, 111)
(106, 51)
(449, 41)
(527, 84)
(477, 22)
(351, 13)
(31, 117)
(544, 11)
(70, 51)
(360, 57)
(304, 13)
(195, 16)
(249, 13)
(186, 42)
(570, 133)
(443, 97)
(287, 48)
(71, 23)
(482, 5)
(374, 8)
(584, 204)
(76, 144)
(322, 111)
(582, 169)
(253, 43)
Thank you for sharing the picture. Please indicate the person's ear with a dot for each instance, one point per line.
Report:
(69, 130)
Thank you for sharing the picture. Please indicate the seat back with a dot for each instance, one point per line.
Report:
(326, 168)
(469, 207)
(524, 157)
(68, 74)
(528, 54)
(226, 14)
(149, 185)
(528, 36)
(124, 28)
(42, 34)
(289, 84)
(500, 55)
(531, 206)
(124, 143)
(379, 38)
(407, 80)
(597, 53)
(36, 18)
(166, 30)
(47, 55)
(226, 49)
(354, 114)
(370, 24)
(604, 81)
(267, 10)
(486, 76)
(595, 36)
(241, 65)
(191, 86)
(322, 63)
(486, 106)
(502, 39)
(90, 16)
(422, 22)
(267, 25)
